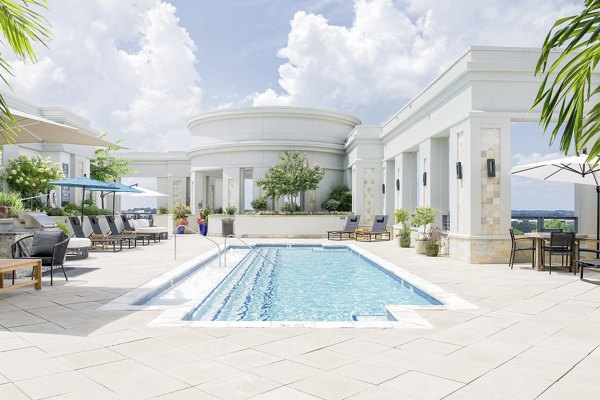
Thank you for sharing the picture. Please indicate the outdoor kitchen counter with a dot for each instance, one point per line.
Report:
(7, 239)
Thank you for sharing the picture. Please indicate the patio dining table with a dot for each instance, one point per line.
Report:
(539, 237)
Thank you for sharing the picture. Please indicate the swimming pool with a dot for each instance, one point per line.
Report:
(188, 293)
(306, 283)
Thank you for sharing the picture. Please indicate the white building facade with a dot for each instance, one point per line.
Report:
(449, 148)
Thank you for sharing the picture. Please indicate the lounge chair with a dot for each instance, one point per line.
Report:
(114, 232)
(348, 232)
(143, 226)
(102, 241)
(49, 246)
(377, 233)
(97, 229)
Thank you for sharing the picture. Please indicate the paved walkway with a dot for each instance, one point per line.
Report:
(534, 335)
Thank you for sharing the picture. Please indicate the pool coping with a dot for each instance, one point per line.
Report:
(405, 316)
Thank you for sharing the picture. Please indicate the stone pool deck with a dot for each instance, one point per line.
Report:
(533, 335)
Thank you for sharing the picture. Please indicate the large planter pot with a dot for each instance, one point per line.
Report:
(6, 224)
(420, 246)
(404, 242)
(432, 250)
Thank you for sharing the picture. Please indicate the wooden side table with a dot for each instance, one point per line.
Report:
(7, 265)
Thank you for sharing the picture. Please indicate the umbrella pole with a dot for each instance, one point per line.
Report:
(114, 193)
(82, 204)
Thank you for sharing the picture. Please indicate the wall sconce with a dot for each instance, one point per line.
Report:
(459, 170)
(397, 184)
(383, 188)
(424, 178)
(491, 167)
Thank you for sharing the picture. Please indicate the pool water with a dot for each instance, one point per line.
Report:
(306, 283)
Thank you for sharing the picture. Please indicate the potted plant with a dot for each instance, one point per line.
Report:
(422, 216)
(230, 210)
(180, 213)
(10, 205)
(433, 237)
(402, 217)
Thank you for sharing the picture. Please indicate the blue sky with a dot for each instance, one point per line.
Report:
(140, 69)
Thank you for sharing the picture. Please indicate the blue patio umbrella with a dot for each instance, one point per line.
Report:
(86, 184)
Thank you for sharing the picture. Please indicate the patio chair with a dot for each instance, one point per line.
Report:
(49, 246)
(97, 242)
(114, 232)
(593, 263)
(143, 226)
(563, 244)
(377, 233)
(348, 232)
(520, 244)
(98, 233)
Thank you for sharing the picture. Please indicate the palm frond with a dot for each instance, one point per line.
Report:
(566, 90)
(21, 27)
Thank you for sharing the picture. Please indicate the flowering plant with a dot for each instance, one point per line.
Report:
(30, 176)
(180, 212)
(435, 235)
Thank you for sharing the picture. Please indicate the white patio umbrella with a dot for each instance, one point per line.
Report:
(143, 192)
(35, 129)
(574, 169)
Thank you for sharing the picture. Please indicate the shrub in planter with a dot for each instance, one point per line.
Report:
(12, 203)
(259, 204)
(230, 210)
(402, 217)
(422, 217)
(180, 213)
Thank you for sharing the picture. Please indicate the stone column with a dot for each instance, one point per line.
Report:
(198, 190)
(231, 188)
(406, 174)
(479, 203)
(162, 186)
(390, 186)
(367, 198)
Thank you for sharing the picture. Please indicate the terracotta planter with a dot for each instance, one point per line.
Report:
(404, 242)
(420, 246)
(432, 250)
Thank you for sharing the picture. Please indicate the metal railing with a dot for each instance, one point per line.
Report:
(531, 223)
(206, 237)
(252, 248)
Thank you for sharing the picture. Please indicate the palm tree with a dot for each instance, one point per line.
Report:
(20, 28)
(565, 96)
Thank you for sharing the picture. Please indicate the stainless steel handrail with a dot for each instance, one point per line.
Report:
(206, 237)
(247, 245)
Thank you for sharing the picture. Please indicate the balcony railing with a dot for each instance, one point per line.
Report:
(526, 223)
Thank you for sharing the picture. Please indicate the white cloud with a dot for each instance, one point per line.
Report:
(127, 66)
(394, 48)
(520, 159)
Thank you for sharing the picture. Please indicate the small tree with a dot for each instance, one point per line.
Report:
(402, 216)
(107, 167)
(423, 216)
(30, 176)
(292, 176)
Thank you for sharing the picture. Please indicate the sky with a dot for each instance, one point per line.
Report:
(139, 69)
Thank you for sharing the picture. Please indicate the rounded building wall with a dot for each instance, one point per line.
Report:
(229, 147)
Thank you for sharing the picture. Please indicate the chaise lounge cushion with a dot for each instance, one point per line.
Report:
(143, 226)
